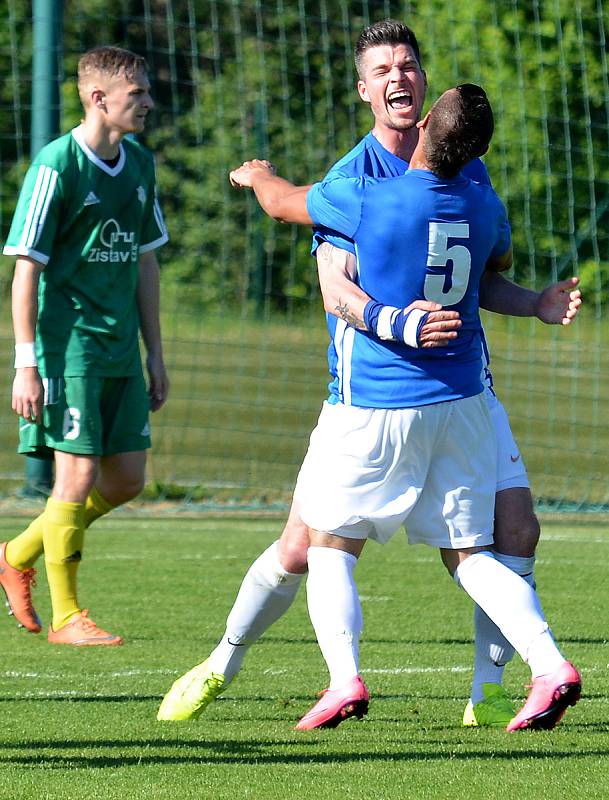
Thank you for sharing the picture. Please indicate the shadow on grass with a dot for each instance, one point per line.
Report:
(274, 700)
(73, 698)
(247, 753)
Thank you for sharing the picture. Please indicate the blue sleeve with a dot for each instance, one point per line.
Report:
(504, 232)
(476, 171)
(337, 204)
(321, 235)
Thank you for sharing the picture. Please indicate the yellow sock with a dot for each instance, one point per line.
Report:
(95, 507)
(64, 533)
(23, 551)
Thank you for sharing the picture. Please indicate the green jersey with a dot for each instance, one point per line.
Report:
(87, 222)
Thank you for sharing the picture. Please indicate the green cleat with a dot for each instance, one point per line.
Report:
(191, 694)
(495, 711)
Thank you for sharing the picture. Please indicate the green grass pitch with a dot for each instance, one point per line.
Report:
(80, 724)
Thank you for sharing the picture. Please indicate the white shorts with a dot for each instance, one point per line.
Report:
(369, 471)
(511, 471)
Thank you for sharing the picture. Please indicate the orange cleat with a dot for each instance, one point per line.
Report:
(17, 588)
(82, 631)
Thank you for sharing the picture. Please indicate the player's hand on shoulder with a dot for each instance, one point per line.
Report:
(28, 394)
(440, 327)
(559, 303)
(243, 176)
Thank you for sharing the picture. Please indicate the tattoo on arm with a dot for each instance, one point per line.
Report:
(349, 317)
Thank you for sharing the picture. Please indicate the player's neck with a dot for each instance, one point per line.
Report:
(418, 159)
(104, 142)
(401, 143)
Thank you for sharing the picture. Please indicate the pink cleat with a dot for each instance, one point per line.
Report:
(337, 705)
(548, 699)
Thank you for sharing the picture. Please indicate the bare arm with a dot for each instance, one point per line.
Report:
(557, 304)
(148, 295)
(28, 394)
(345, 299)
(342, 297)
(279, 198)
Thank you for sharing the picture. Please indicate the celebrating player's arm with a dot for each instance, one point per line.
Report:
(150, 327)
(557, 304)
(345, 299)
(284, 202)
(279, 198)
(342, 297)
(28, 392)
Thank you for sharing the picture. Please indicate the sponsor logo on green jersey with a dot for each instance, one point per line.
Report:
(118, 245)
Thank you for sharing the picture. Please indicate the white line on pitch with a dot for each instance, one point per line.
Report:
(391, 671)
(573, 538)
(49, 676)
(366, 598)
(414, 670)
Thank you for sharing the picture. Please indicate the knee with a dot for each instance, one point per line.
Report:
(129, 489)
(120, 488)
(293, 545)
(74, 479)
(518, 536)
(132, 488)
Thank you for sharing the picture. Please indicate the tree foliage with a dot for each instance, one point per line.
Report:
(234, 80)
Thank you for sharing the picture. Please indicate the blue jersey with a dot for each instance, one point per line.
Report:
(417, 237)
(369, 157)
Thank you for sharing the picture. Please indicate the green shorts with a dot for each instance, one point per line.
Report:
(90, 416)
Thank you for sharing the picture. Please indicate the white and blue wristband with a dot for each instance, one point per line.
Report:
(390, 324)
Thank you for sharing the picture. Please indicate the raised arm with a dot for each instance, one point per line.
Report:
(279, 198)
(344, 299)
(28, 394)
(557, 304)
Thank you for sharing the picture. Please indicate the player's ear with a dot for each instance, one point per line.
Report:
(98, 98)
(363, 91)
(422, 123)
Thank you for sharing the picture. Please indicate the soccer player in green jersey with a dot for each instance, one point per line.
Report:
(86, 280)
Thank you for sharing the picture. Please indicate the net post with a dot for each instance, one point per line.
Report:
(47, 20)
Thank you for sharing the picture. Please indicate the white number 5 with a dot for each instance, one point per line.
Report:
(439, 254)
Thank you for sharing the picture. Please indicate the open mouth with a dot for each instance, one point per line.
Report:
(400, 100)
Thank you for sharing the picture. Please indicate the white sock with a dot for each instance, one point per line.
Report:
(266, 593)
(492, 649)
(514, 607)
(335, 611)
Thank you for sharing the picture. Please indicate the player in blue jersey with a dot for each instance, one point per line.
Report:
(85, 234)
(392, 81)
(406, 438)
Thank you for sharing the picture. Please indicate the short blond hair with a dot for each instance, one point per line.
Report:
(109, 62)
